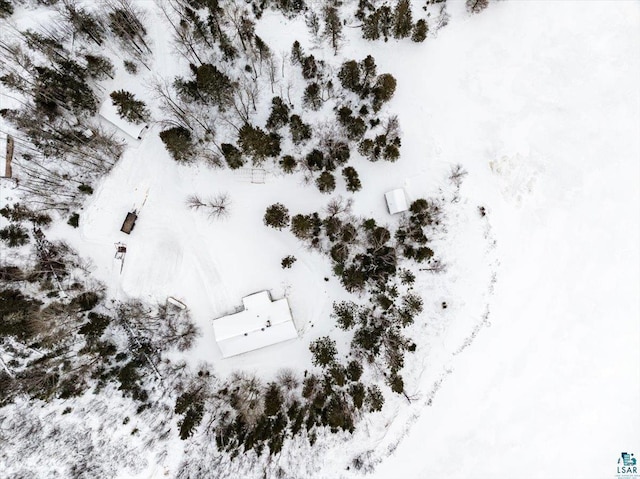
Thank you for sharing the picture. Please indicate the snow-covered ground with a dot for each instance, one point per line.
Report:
(540, 103)
(533, 370)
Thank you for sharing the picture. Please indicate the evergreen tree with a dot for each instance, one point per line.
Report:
(358, 393)
(345, 313)
(371, 26)
(99, 67)
(309, 67)
(18, 314)
(423, 253)
(257, 144)
(214, 85)
(302, 226)
(383, 90)
(338, 374)
(6, 9)
(332, 224)
(95, 327)
(279, 115)
(277, 216)
(300, 131)
(191, 405)
(74, 220)
(353, 279)
(420, 30)
(177, 141)
(354, 370)
(129, 108)
(349, 76)
(312, 96)
(356, 128)
(369, 149)
(339, 415)
(63, 86)
(402, 21)
(391, 152)
(14, 235)
(326, 182)
(290, 7)
(332, 27)
(368, 68)
(287, 261)
(324, 351)
(232, 155)
(130, 67)
(288, 164)
(351, 177)
(397, 383)
(375, 399)
(296, 53)
(386, 21)
(273, 400)
(84, 23)
(315, 160)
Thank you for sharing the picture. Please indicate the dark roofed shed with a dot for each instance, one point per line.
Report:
(129, 223)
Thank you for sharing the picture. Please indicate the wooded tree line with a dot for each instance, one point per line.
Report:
(214, 37)
(366, 258)
(60, 148)
(386, 21)
(65, 343)
(396, 20)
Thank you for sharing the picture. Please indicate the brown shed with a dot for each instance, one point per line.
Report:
(129, 223)
(8, 157)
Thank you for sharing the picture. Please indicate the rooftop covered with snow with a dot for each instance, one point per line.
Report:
(109, 113)
(262, 323)
(396, 201)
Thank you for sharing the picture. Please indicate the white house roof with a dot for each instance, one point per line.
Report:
(396, 201)
(262, 323)
(109, 112)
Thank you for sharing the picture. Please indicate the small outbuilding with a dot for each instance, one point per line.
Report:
(396, 201)
(6, 155)
(262, 323)
(109, 113)
(129, 222)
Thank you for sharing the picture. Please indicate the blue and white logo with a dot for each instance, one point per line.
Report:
(627, 466)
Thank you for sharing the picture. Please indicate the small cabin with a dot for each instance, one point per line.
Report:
(396, 201)
(262, 323)
(129, 222)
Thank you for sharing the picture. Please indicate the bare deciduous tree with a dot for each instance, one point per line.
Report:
(338, 206)
(216, 207)
(245, 97)
(457, 175)
(246, 396)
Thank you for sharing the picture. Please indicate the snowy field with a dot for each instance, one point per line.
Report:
(540, 102)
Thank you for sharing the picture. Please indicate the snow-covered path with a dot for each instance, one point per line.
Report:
(547, 103)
